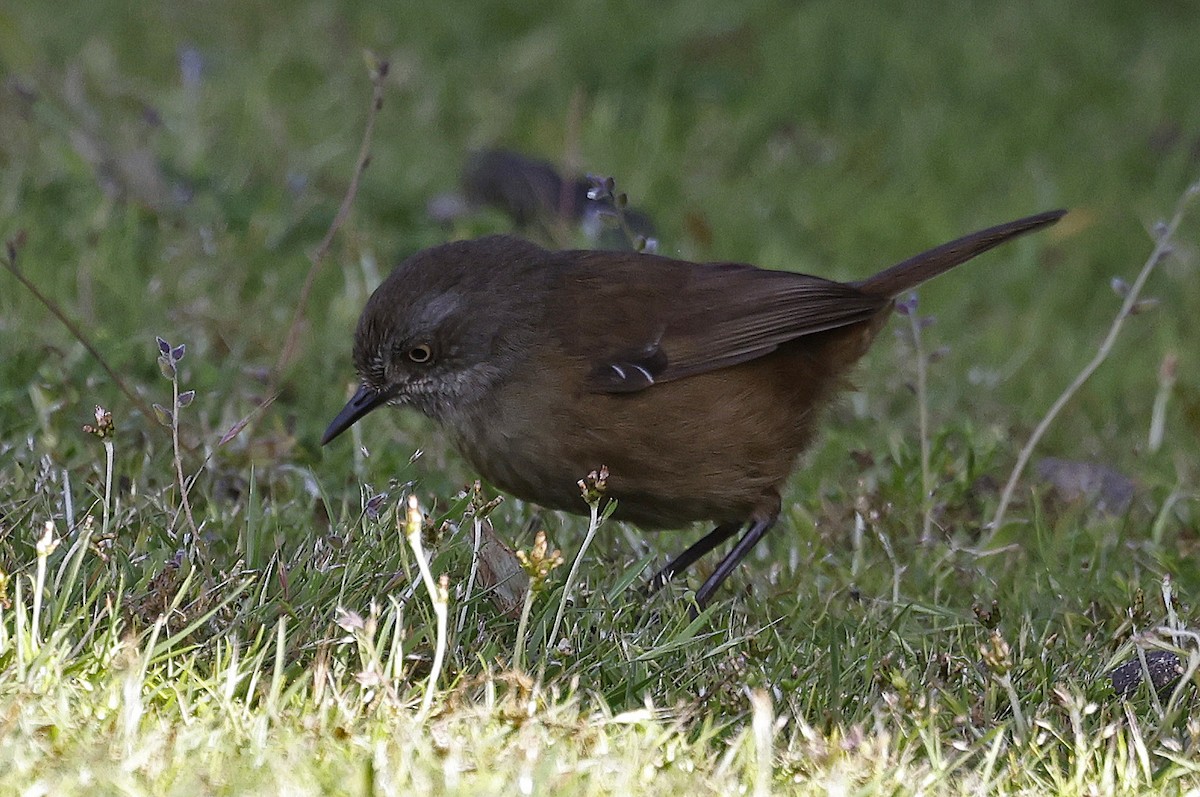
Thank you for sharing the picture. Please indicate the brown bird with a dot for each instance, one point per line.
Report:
(696, 384)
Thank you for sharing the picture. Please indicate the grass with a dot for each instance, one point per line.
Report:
(174, 167)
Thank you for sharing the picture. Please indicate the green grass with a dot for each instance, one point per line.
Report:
(286, 648)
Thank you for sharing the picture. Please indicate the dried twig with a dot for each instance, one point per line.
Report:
(1162, 248)
(12, 249)
(379, 74)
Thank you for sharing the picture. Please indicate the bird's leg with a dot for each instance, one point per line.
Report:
(689, 557)
(757, 530)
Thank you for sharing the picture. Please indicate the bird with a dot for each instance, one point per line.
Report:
(535, 197)
(697, 385)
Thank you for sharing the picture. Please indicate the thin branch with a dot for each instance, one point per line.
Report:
(13, 248)
(1162, 248)
(378, 78)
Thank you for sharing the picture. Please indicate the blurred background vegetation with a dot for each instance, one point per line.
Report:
(174, 163)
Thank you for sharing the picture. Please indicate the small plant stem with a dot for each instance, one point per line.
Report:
(1158, 413)
(763, 727)
(593, 525)
(379, 74)
(439, 595)
(108, 472)
(45, 545)
(183, 485)
(1014, 701)
(523, 628)
(10, 263)
(477, 545)
(1161, 248)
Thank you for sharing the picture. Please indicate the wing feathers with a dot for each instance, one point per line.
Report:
(698, 317)
(640, 320)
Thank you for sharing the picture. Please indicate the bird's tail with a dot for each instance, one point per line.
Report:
(912, 272)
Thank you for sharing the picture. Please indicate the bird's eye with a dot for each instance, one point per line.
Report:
(420, 354)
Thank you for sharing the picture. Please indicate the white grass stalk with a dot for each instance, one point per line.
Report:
(593, 526)
(108, 474)
(45, 546)
(439, 594)
(477, 545)
(523, 628)
(763, 725)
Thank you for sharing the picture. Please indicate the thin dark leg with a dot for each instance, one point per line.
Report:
(689, 557)
(758, 529)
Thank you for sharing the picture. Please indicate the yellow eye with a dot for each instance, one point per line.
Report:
(420, 354)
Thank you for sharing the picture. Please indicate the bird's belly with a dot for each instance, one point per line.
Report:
(712, 447)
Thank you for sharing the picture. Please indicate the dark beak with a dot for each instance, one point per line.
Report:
(363, 402)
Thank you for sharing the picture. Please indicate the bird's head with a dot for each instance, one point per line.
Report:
(443, 328)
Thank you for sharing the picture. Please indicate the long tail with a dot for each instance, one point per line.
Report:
(912, 272)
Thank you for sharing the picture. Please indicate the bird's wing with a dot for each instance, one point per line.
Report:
(641, 320)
